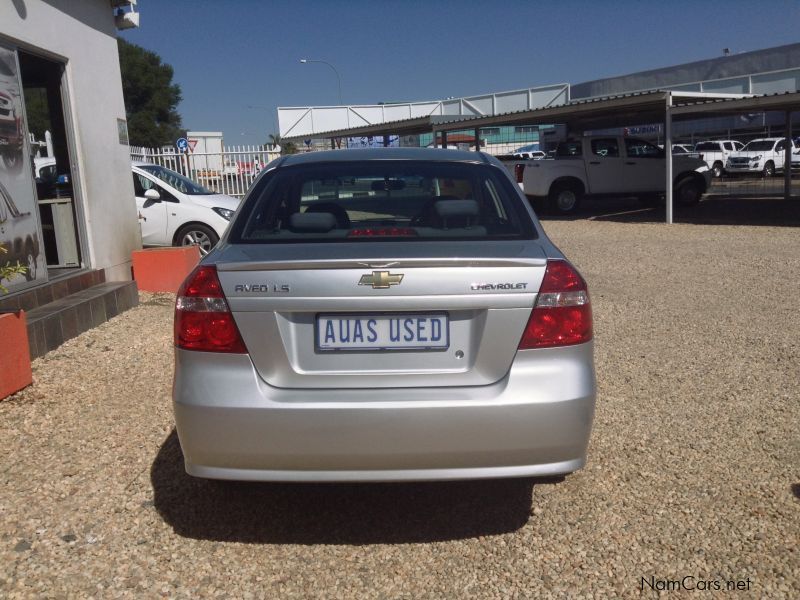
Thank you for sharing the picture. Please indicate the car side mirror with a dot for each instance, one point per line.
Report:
(152, 194)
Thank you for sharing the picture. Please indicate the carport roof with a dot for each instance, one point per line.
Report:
(723, 106)
(594, 113)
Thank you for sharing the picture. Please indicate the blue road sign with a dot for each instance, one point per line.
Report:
(182, 144)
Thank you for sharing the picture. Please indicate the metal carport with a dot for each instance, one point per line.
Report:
(659, 106)
(787, 102)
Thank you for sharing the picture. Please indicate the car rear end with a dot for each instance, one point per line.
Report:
(384, 315)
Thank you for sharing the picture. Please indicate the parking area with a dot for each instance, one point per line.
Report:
(694, 463)
(717, 208)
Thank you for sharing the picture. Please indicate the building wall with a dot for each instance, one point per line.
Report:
(773, 70)
(82, 34)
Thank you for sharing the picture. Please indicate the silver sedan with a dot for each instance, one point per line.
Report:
(383, 315)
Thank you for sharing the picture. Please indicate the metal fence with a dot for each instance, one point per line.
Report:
(228, 172)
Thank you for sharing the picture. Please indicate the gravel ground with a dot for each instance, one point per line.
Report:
(694, 466)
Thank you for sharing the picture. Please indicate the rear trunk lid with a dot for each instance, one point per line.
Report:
(455, 311)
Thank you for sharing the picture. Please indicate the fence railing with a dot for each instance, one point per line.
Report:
(230, 171)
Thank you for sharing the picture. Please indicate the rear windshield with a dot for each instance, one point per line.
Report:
(176, 180)
(382, 201)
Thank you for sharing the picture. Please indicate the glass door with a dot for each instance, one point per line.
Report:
(20, 226)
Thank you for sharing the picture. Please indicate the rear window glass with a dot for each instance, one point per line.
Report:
(565, 149)
(382, 201)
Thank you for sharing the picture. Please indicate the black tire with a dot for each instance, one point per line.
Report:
(565, 198)
(687, 192)
(769, 169)
(197, 233)
(717, 169)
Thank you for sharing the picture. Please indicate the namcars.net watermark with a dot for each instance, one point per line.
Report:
(691, 583)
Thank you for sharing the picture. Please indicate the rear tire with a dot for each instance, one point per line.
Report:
(687, 192)
(717, 169)
(197, 233)
(565, 198)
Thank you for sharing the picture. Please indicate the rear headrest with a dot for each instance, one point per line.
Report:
(447, 209)
(317, 222)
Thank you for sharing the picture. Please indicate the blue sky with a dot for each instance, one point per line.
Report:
(229, 55)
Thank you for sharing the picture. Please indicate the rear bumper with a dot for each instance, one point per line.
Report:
(536, 421)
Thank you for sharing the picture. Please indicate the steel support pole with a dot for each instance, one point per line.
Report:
(787, 158)
(668, 155)
(477, 139)
(444, 139)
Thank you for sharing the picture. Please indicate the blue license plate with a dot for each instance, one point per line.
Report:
(411, 331)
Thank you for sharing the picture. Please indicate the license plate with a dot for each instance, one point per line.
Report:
(413, 331)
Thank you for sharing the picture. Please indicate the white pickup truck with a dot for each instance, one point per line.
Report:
(763, 156)
(716, 153)
(610, 166)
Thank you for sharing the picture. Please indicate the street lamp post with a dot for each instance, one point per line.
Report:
(338, 77)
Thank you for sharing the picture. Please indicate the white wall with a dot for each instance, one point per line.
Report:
(82, 33)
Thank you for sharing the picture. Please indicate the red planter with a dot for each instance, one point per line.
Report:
(163, 269)
(15, 357)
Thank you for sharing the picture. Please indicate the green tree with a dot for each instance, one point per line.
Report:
(151, 99)
(286, 147)
(37, 112)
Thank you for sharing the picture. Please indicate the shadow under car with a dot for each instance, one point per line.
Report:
(328, 513)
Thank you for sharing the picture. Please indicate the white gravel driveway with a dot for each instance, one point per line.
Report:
(693, 474)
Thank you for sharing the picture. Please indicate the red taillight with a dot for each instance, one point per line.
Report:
(562, 315)
(203, 321)
(519, 168)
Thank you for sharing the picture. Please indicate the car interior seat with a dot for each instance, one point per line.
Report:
(342, 218)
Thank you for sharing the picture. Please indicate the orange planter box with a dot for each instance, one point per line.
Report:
(163, 269)
(15, 357)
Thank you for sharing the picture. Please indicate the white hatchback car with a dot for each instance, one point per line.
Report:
(176, 211)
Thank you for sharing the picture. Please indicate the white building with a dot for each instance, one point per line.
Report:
(74, 220)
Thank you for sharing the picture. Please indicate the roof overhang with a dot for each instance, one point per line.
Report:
(705, 106)
(595, 113)
(298, 122)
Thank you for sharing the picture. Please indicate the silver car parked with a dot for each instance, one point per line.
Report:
(383, 315)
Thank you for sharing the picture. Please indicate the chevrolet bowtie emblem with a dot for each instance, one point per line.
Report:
(380, 280)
